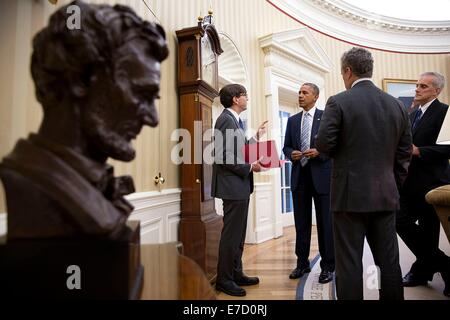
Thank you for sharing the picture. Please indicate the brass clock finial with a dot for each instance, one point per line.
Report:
(210, 11)
(200, 17)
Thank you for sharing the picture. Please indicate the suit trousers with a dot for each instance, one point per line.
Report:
(421, 238)
(303, 215)
(350, 230)
(231, 247)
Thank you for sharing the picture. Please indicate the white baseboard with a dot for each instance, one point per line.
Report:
(159, 214)
(288, 219)
(3, 224)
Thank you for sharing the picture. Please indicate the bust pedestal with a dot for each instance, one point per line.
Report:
(105, 269)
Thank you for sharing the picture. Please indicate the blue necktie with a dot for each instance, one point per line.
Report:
(241, 124)
(305, 137)
(417, 118)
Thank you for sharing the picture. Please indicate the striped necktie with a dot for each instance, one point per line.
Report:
(305, 136)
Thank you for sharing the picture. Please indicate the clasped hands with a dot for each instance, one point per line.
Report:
(310, 153)
(415, 151)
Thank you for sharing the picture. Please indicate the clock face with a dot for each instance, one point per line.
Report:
(208, 61)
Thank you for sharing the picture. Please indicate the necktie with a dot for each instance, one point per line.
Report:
(417, 118)
(241, 124)
(305, 136)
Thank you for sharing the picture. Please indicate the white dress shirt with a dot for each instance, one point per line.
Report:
(361, 80)
(425, 106)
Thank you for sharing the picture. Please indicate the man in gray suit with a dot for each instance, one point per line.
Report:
(367, 134)
(232, 181)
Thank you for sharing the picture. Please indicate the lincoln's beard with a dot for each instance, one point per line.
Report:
(103, 142)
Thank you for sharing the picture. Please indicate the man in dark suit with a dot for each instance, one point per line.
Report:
(310, 179)
(367, 134)
(429, 169)
(232, 181)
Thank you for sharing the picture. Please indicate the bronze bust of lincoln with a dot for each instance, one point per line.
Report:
(97, 87)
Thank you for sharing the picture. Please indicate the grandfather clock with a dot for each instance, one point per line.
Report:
(200, 226)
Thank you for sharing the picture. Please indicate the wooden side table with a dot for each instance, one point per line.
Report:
(169, 275)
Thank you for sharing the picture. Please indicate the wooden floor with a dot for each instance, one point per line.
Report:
(272, 261)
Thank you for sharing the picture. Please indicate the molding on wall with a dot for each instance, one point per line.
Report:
(345, 22)
(295, 47)
(154, 199)
(232, 69)
(231, 65)
(290, 59)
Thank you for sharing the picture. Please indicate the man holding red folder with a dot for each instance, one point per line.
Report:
(310, 179)
(232, 181)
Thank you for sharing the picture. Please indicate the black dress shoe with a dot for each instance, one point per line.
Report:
(299, 272)
(246, 281)
(325, 276)
(447, 290)
(231, 289)
(446, 277)
(413, 280)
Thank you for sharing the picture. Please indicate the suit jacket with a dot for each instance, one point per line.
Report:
(431, 169)
(231, 177)
(320, 166)
(367, 134)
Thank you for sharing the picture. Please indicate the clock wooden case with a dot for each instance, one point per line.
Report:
(200, 226)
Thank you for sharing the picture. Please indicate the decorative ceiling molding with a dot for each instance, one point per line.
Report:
(348, 23)
(376, 21)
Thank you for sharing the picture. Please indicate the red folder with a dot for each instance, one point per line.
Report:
(264, 150)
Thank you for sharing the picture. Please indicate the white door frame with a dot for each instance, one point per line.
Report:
(291, 58)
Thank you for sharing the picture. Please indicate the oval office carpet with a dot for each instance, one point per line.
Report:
(309, 287)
